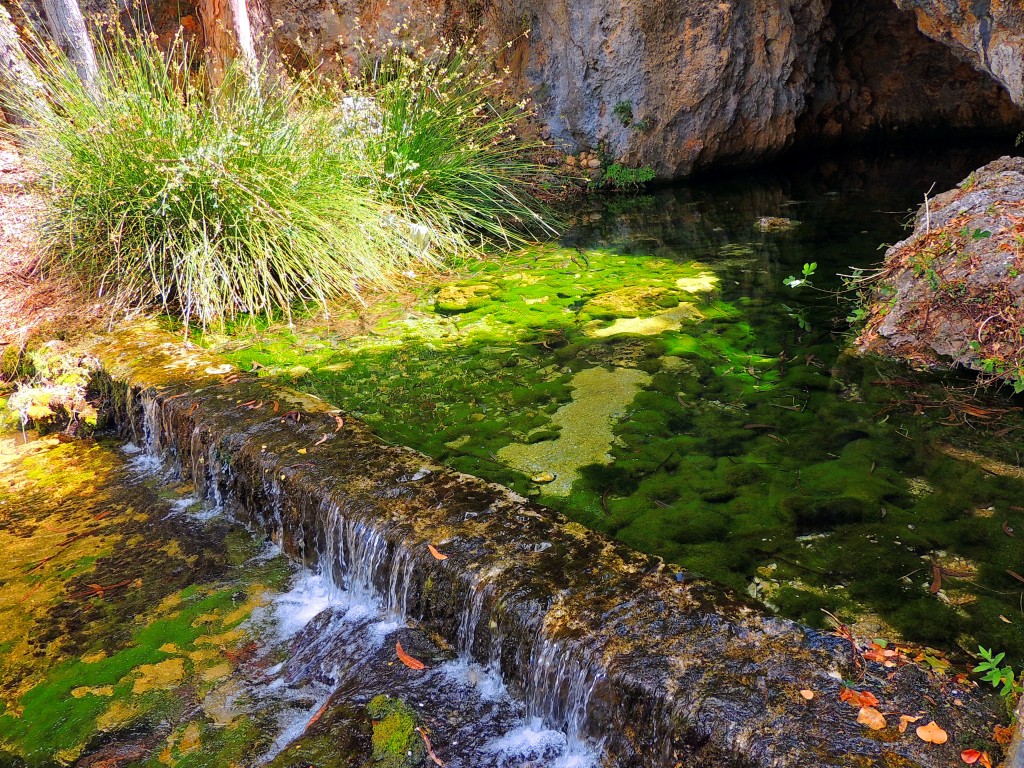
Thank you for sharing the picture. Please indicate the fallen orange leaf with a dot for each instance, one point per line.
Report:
(872, 718)
(932, 733)
(906, 720)
(807, 694)
(970, 756)
(317, 716)
(408, 660)
(858, 699)
(435, 553)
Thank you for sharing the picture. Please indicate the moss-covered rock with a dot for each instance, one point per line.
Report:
(457, 298)
(396, 742)
(631, 301)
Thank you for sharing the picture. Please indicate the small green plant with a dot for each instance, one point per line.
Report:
(807, 272)
(620, 176)
(1002, 677)
(624, 111)
(799, 315)
(974, 234)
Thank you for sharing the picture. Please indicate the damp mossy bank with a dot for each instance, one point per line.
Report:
(124, 622)
(743, 445)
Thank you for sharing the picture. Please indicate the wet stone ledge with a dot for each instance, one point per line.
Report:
(662, 667)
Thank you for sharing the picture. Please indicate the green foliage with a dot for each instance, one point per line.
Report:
(1002, 677)
(619, 176)
(250, 198)
(443, 148)
(624, 111)
(808, 271)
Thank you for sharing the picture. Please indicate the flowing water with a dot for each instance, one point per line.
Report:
(142, 625)
(652, 376)
(649, 375)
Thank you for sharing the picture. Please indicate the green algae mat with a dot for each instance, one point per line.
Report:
(124, 614)
(651, 376)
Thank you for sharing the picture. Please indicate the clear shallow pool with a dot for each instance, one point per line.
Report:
(652, 377)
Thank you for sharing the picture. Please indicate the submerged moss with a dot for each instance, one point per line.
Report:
(584, 428)
(652, 377)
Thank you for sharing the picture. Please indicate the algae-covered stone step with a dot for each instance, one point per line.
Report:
(716, 679)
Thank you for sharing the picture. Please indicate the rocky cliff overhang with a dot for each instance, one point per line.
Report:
(989, 34)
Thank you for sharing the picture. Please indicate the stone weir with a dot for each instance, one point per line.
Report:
(655, 666)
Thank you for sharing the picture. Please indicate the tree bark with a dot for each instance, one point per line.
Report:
(239, 30)
(67, 25)
(20, 91)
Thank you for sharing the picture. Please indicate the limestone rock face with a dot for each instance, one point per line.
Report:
(987, 33)
(682, 85)
(953, 292)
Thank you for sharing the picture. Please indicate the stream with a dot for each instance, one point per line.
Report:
(650, 376)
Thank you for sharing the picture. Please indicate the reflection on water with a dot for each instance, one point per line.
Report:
(651, 376)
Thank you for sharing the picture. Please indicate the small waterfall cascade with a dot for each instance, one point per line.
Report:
(363, 561)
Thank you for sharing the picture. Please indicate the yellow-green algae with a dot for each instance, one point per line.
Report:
(599, 398)
(114, 620)
(752, 445)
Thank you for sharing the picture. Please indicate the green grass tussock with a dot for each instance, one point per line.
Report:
(250, 198)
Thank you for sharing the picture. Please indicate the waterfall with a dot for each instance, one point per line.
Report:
(366, 559)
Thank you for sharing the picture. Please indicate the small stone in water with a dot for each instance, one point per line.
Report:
(543, 477)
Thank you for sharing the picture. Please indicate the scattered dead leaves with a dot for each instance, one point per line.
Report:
(974, 757)
(858, 699)
(430, 749)
(906, 720)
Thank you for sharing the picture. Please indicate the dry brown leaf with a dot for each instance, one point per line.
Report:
(905, 720)
(807, 693)
(872, 718)
(408, 660)
(321, 441)
(1002, 734)
(340, 422)
(430, 749)
(317, 716)
(437, 555)
(932, 733)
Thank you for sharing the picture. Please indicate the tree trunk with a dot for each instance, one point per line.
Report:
(20, 91)
(239, 30)
(67, 26)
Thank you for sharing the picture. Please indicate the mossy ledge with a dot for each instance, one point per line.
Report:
(683, 671)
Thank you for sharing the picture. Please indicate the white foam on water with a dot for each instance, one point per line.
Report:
(146, 464)
(310, 594)
(130, 449)
(486, 680)
(294, 726)
(534, 743)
